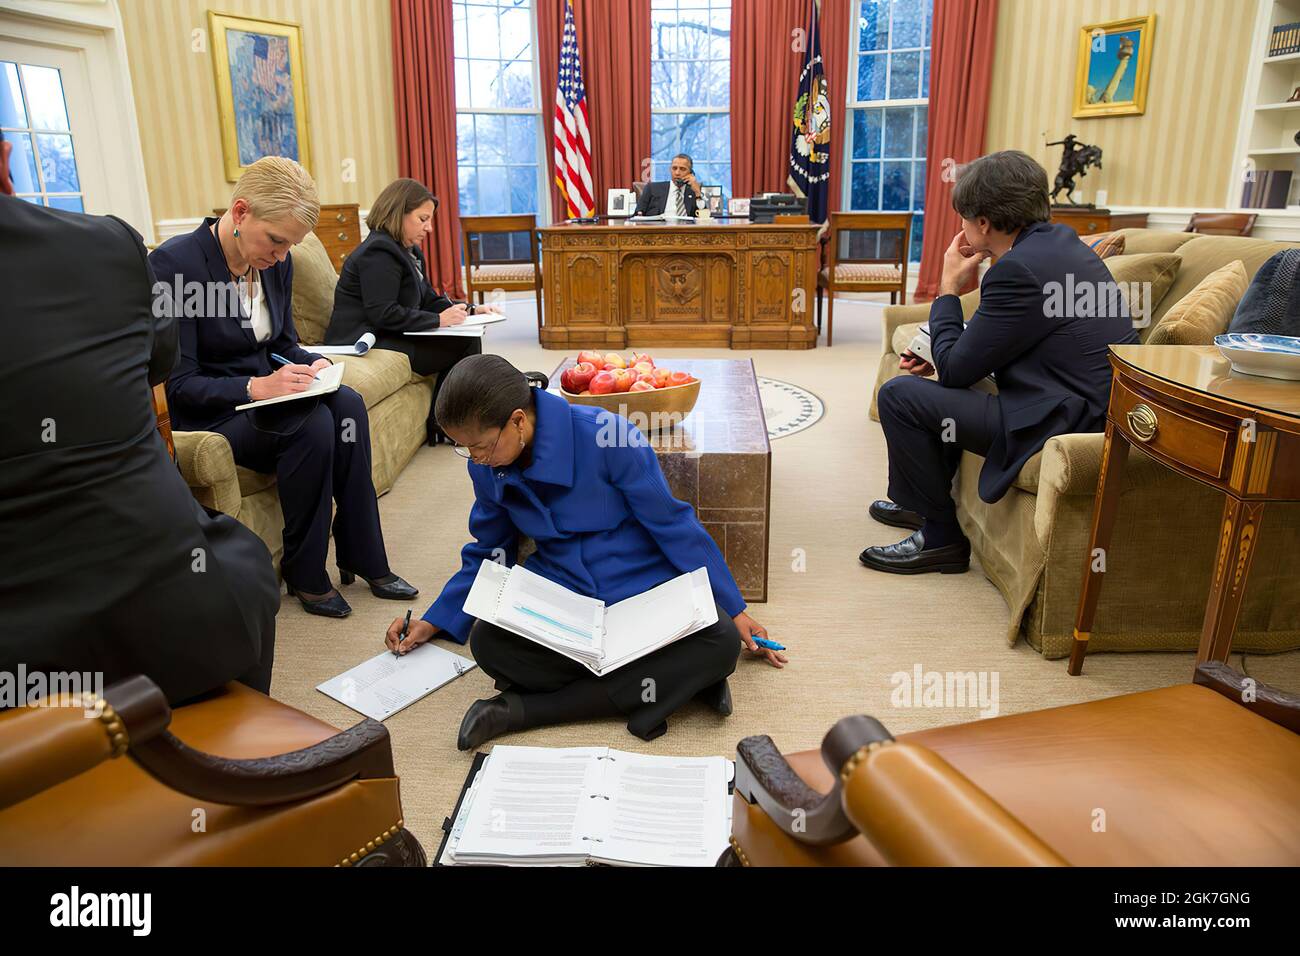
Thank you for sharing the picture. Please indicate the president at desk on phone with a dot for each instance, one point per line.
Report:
(680, 197)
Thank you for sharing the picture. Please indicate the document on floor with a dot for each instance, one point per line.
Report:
(537, 806)
(327, 380)
(385, 684)
(473, 325)
(360, 347)
(601, 638)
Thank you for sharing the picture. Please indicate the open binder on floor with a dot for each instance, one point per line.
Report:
(601, 638)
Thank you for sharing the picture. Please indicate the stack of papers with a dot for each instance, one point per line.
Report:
(536, 806)
(360, 347)
(474, 325)
(601, 639)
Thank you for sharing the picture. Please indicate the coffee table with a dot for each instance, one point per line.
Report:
(718, 461)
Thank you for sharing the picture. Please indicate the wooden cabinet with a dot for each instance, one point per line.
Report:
(339, 230)
(1088, 222)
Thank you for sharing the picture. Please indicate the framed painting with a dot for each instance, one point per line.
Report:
(261, 90)
(1114, 67)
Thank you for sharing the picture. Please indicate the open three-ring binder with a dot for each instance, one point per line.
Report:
(599, 637)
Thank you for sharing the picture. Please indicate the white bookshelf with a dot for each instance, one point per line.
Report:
(1266, 137)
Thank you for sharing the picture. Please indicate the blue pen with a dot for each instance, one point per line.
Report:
(284, 361)
(764, 642)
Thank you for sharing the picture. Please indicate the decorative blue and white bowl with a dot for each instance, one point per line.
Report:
(1273, 356)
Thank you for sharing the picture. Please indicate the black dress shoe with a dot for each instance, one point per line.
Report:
(717, 696)
(484, 720)
(886, 512)
(332, 605)
(391, 588)
(910, 557)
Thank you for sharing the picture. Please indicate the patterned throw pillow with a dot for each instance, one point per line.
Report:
(1271, 306)
(1205, 312)
(1105, 244)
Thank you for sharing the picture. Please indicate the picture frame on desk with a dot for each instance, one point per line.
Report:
(738, 208)
(261, 90)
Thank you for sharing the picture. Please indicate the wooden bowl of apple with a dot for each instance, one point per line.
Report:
(653, 396)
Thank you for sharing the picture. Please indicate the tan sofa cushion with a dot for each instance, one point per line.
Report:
(1204, 254)
(1145, 279)
(1205, 312)
(314, 279)
(375, 375)
(251, 482)
(1141, 241)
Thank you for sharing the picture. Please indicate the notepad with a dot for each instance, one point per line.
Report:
(360, 347)
(601, 638)
(385, 684)
(327, 380)
(473, 325)
(539, 806)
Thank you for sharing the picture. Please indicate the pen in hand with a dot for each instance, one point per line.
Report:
(406, 626)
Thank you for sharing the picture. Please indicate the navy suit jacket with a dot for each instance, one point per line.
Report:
(1048, 311)
(380, 290)
(654, 199)
(219, 352)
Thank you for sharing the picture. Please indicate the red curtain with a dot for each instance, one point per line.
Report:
(961, 67)
(839, 21)
(614, 45)
(424, 88)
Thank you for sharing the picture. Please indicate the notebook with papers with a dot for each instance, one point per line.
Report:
(327, 380)
(473, 325)
(601, 638)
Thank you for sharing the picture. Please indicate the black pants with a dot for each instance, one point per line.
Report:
(927, 427)
(431, 356)
(647, 691)
(316, 456)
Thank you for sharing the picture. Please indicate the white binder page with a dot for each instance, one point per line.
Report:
(552, 612)
(385, 684)
(665, 811)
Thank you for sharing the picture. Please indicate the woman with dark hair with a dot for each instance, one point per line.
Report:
(384, 290)
(606, 525)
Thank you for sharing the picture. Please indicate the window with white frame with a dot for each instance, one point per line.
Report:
(34, 118)
(889, 94)
(690, 87)
(499, 139)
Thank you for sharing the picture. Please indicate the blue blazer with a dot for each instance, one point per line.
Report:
(605, 523)
(218, 351)
(1046, 344)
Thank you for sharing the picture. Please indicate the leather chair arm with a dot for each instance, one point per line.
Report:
(1279, 706)
(208, 467)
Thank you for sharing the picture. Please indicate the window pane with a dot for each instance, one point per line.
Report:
(663, 138)
(914, 244)
(904, 75)
(898, 132)
(490, 139)
(70, 203)
(720, 136)
(516, 34)
(866, 134)
(664, 85)
(521, 140)
(871, 76)
(464, 139)
(663, 33)
(462, 83)
(896, 186)
(720, 84)
(482, 32)
(908, 22)
(11, 97)
(517, 85)
(468, 191)
(720, 37)
(866, 186)
(918, 186)
(523, 189)
(45, 97)
(22, 163)
(34, 200)
(922, 130)
(925, 74)
(694, 135)
(494, 194)
(873, 25)
(483, 76)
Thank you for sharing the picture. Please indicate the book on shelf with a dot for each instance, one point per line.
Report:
(1268, 190)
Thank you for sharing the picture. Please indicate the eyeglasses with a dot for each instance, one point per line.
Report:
(464, 451)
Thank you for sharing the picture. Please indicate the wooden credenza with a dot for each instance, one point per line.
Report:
(1089, 222)
(712, 284)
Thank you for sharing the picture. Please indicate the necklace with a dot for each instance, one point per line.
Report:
(216, 234)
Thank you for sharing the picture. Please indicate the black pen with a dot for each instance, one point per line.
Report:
(405, 627)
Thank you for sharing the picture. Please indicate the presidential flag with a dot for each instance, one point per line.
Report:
(810, 140)
(572, 138)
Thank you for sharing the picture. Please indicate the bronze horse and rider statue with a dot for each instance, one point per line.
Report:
(1076, 158)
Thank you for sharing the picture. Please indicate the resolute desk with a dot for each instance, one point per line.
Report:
(720, 283)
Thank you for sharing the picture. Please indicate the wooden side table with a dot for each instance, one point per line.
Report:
(1186, 408)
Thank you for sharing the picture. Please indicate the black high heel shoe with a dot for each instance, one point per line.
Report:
(333, 606)
(393, 589)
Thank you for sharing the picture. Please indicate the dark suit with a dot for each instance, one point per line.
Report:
(656, 199)
(318, 449)
(107, 563)
(1045, 346)
(383, 289)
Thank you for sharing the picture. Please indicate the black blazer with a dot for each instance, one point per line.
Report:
(219, 353)
(654, 200)
(1049, 355)
(98, 531)
(379, 290)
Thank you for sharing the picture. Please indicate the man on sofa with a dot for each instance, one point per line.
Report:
(1048, 311)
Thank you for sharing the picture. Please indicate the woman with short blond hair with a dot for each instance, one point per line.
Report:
(243, 348)
(384, 290)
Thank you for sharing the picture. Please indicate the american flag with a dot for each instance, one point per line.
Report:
(572, 138)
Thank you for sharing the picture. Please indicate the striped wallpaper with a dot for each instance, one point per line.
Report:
(1180, 151)
(347, 46)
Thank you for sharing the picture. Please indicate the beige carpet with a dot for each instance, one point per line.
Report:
(848, 629)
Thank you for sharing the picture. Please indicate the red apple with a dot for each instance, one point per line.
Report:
(603, 383)
(577, 378)
(642, 386)
(616, 360)
(678, 378)
(595, 359)
(624, 379)
(643, 368)
(609, 368)
(638, 358)
(661, 376)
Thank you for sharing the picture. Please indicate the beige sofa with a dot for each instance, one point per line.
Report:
(1031, 543)
(396, 399)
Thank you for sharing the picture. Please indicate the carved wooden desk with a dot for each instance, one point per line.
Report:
(1238, 433)
(715, 284)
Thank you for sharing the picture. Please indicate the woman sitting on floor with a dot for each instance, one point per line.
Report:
(606, 525)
